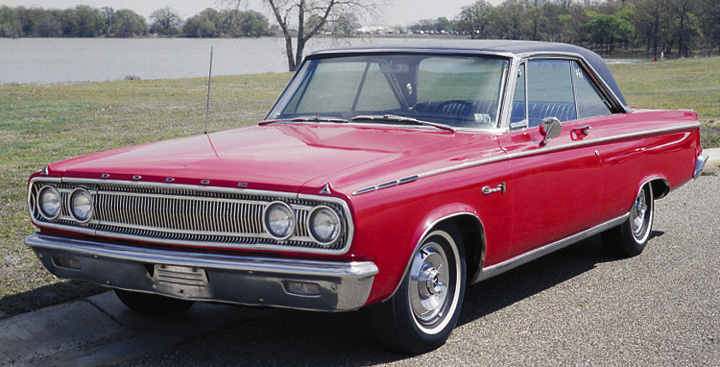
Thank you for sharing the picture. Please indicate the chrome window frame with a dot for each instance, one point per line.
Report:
(595, 79)
(502, 94)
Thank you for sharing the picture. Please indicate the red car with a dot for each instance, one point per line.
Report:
(383, 177)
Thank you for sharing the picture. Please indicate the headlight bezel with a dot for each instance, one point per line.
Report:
(290, 231)
(337, 234)
(72, 206)
(40, 200)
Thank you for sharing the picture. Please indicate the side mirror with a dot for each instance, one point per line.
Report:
(550, 127)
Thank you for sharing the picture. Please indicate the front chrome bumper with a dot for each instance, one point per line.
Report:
(298, 284)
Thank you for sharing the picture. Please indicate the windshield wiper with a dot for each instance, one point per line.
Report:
(396, 118)
(306, 119)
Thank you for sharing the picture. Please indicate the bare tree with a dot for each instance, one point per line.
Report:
(309, 16)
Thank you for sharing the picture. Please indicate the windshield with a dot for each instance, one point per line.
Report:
(455, 91)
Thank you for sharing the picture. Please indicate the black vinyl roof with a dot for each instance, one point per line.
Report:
(514, 47)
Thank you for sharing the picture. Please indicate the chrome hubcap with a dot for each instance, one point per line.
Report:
(639, 214)
(429, 283)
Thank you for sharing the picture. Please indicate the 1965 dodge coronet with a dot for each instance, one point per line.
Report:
(388, 177)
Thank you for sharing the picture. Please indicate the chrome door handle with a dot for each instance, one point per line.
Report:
(582, 130)
(487, 190)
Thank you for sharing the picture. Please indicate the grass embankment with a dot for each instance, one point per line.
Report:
(43, 124)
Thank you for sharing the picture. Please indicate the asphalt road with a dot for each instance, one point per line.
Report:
(577, 307)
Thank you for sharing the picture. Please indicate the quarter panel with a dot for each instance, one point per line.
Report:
(628, 163)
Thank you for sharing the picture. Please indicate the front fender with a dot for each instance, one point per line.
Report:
(429, 222)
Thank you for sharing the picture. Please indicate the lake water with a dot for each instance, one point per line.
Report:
(53, 60)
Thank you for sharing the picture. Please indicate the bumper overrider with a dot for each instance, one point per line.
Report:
(255, 281)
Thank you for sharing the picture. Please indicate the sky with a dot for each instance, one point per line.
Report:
(394, 12)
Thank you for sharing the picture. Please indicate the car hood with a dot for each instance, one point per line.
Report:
(286, 157)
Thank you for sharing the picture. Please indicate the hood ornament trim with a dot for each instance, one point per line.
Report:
(326, 189)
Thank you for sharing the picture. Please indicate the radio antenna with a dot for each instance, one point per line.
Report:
(207, 106)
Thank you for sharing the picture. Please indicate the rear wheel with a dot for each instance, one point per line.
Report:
(153, 304)
(422, 314)
(630, 238)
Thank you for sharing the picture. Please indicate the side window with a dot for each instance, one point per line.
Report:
(518, 117)
(589, 102)
(550, 91)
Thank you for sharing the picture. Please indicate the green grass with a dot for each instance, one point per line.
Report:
(688, 84)
(44, 124)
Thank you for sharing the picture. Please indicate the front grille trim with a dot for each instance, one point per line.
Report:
(188, 215)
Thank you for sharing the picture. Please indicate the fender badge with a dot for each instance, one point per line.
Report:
(326, 189)
(45, 171)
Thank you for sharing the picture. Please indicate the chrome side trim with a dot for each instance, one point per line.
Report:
(608, 139)
(544, 150)
(386, 185)
(700, 164)
(525, 258)
(256, 281)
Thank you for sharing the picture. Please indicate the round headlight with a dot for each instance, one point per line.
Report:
(81, 205)
(324, 225)
(279, 220)
(49, 202)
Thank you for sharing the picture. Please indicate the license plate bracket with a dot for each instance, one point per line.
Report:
(181, 281)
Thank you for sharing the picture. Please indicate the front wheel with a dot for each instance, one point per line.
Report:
(423, 312)
(630, 238)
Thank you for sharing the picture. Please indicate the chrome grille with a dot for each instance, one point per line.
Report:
(187, 215)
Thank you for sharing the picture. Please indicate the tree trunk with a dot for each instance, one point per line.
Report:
(300, 36)
(282, 22)
(289, 53)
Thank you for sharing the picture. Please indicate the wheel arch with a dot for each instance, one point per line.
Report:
(659, 184)
(660, 187)
(472, 236)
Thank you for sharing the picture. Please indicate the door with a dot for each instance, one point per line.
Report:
(556, 186)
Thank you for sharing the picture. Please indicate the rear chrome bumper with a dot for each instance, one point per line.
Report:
(700, 164)
(298, 284)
